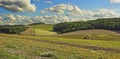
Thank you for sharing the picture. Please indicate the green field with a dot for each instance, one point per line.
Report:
(46, 44)
(43, 29)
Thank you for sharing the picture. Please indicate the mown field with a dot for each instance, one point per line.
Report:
(40, 42)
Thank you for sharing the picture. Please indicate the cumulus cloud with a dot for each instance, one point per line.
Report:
(63, 13)
(53, 19)
(24, 20)
(70, 9)
(18, 5)
(106, 13)
(73, 10)
(115, 1)
(11, 17)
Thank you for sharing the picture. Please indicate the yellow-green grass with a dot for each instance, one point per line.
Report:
(43, 32)
(93, 37)
(81, 42)
(18, 48)
(43, 29)
(47, 27)
(45, 44)
(96, 34)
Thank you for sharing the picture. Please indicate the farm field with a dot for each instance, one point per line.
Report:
(40, 42)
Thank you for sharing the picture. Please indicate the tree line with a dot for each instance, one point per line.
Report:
(12, 29)
(37, 23)
(103, 23)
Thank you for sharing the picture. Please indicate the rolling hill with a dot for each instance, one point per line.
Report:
(93, 31)
(42, 29)
(46, 44)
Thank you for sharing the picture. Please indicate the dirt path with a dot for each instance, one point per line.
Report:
(28, 32)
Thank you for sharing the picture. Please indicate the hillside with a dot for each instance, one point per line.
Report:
(46, 44)
(103, 23)
(93, 31)
(59, 29)
(95, 34)
(42, 29)
(34, 47)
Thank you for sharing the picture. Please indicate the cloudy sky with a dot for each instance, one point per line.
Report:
(55, 11)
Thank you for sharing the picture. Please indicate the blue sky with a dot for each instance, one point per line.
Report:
(92, 5)
(56, 11)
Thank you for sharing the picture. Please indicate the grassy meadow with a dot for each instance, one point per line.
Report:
(40, 42)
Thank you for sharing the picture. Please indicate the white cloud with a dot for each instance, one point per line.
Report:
(48, 2)
(70, 9)
(63, 13)
(18, 19)
(11, 17)
(106, 13)
(80, 14)
(73, 10)
(17, 5)
(115, 1)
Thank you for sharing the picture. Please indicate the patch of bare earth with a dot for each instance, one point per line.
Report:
(28, 32)
(17, 51)
(94, 31)
(20, 52)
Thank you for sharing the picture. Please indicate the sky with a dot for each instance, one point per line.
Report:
(15, 12)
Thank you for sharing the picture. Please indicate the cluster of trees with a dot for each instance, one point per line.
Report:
(105, 23)
(72, 26)
(37, 23)
(12, 29)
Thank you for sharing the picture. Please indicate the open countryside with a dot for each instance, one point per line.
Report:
(54, 29)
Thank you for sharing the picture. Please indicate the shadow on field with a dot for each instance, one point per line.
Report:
(117, 32)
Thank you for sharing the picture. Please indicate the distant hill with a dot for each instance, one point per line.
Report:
(37, 23)
(41, 29)
(104, 23)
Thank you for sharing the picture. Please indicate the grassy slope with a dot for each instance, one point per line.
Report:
(57, 46)
(95, 34)
(43, 29)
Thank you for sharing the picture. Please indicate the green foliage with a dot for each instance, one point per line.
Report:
(72, 26)
(105, 23)
(37, 23)
(12, 29)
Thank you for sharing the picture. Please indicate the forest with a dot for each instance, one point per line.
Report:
(103, 23)
(12, 29)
